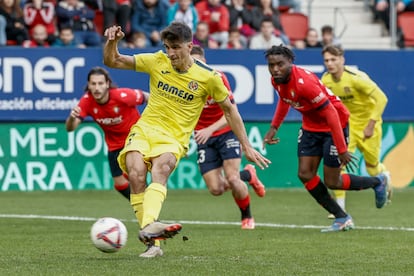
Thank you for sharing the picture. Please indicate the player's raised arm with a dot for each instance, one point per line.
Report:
(111, 55)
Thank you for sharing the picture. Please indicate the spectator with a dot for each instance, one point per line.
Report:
(138, 41)
(328, 36)
(150, 17)
(241, 17)
(236, 40)
(217, 17)
(38, 37)
(66, 38)
(265, 9)
(117, 12)
(183, 10)
(311, 40)
(11, 11)
(382, 9)
(78, 16)
(266, 38)
(202, 37)
(40, 12)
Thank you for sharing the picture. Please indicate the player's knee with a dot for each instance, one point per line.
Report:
(305, 176)
(373, 170)
(233, 180)
(216, 191)
(136, 176)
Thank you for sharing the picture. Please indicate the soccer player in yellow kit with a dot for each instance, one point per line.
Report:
(366, 103)
(179, 87)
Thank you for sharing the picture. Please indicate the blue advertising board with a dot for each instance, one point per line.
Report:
(44, 84)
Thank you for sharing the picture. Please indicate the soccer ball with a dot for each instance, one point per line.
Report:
(109, 234)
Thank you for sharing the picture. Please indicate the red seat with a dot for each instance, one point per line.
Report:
(295, 25)
(98, 20)
(405, 21)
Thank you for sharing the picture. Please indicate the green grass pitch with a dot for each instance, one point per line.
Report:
(47, 233)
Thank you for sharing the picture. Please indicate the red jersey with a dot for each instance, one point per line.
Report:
(212, 112)
(116, 116)
(306, 93)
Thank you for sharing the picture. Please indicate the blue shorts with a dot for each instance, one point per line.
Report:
(113, 163)
(320, 144)
(216, 149)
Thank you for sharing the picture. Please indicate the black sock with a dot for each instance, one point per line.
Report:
(362, 182)
(246, 212)
(245, 175)
(320, 193)
(125, 193)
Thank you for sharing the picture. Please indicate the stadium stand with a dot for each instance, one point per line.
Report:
(405, 22)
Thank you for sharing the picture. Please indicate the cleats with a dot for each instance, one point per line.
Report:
(248, 223)
(340, 224)
(158, 231)
(381, 190)
(257, 185)
(152, 251)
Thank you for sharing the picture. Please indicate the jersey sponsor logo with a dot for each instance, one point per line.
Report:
(172, 90)
(109, 121)
(294, 104)
(318, 98)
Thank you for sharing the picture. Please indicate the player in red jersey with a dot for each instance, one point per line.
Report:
(114, 110)
(219, 150)
(323, 134)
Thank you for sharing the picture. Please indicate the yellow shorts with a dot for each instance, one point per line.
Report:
(370, 148)
(150, 142)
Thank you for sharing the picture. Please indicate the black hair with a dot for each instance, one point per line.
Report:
(197, 50)
(177, 32)
(100, 71)
(280, 50)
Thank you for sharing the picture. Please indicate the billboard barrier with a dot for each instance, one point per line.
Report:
(43, 156)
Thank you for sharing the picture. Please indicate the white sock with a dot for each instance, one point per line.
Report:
(341, 203)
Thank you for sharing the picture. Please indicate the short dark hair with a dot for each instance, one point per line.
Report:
(280, 50)
(197, 50)
(335, 50)
(327, 29)
(177, 32)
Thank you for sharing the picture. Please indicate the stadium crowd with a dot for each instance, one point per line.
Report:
(216, 24)
(229, 24)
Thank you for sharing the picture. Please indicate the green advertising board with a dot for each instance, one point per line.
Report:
(43, 156)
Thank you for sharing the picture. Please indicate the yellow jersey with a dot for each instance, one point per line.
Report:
(177, 99)
(359, 93)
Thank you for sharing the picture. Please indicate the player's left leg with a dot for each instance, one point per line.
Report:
(239, 191)
(371, 150)
(154, 196)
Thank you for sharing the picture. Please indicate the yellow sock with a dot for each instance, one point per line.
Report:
(340, 197)
(154, 197)
(374, 171)
(136, 203)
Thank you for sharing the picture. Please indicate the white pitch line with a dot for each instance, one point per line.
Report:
(195, 222)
